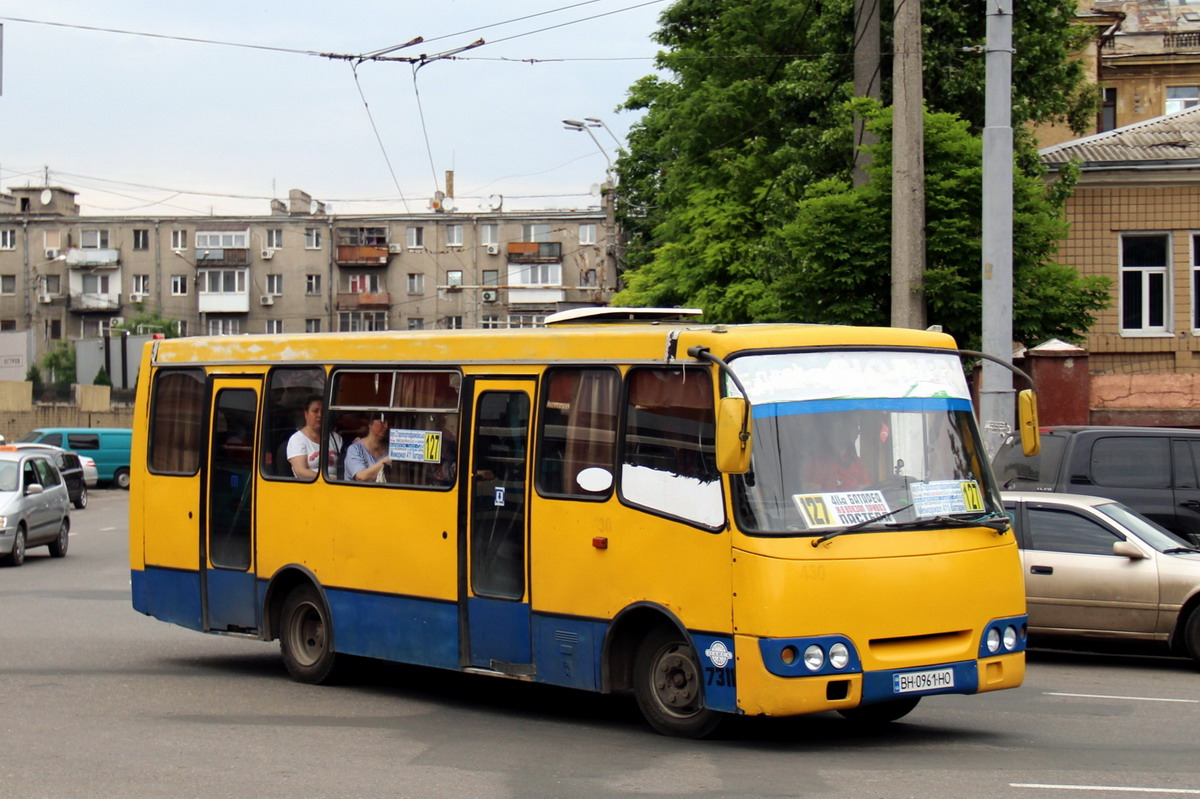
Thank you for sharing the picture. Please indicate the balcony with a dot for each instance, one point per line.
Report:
(355, 302)
(223, 302)
(225, 256)
(361, 255)
(90, 257)
(86, 302)
(532, 252)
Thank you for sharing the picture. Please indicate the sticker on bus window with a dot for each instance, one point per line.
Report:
(415, 446)
(940, 497)
(841, 508)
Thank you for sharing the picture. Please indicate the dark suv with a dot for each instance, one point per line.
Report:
(1154, 470)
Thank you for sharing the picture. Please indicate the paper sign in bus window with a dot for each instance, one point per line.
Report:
(841, 508)
(940, 497)
(415, 446)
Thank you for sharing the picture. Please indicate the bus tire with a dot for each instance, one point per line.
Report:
(17, 556)
(58, 547)
(668, 685)
(881, 712)
(304, 636)
(121, 478)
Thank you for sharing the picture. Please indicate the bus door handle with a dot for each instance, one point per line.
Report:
(1041, 570)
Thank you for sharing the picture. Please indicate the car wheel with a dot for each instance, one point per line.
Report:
(668, 686)
(1191, 635)
(17, 556)
(304, 636)
(881, 712)
(121, 478)
(58, 547)
(81, 500)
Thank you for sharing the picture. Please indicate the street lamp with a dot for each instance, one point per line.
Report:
(575, 124)
(595, 122)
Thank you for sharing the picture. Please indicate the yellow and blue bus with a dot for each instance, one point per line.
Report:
(760, 519)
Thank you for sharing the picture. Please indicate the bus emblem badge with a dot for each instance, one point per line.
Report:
(719, 654)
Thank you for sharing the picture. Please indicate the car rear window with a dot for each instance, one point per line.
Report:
(1017, 472)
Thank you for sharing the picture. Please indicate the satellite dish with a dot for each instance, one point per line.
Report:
(47, 196)
(594, 190)
(494, 203)
(448, 204)
(438, 198)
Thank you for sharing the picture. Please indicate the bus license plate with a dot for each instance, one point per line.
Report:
(913, 681)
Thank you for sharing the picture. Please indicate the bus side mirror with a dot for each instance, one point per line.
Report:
(733, 435)
(1031, 442)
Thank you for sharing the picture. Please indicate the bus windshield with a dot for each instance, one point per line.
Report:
(860, 439)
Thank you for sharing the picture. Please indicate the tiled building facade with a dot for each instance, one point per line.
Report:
(64, 276)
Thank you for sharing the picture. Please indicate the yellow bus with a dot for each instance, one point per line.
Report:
(760, 519)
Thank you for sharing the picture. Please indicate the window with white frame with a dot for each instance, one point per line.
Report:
(179, 285)
(415, 237)
(312, 284)
(360, 321)
(275, 284)
(51, 284)
(535, 232)
(222, 239)
(416, 323)
(274, 326)
(95, 284)
(53, 241)
(312, 325)
(454, 235)
(312, 238)
(274, 238)
(526, 320)
(535, 274)
(1145, 266)
(93, 239)
(587, 233)
(416, 282)
(1181, 97)
(222, 281)
(8, 239)
(224, 326)
(141, 284)
(453, 323)
(179, 239)
(364, 284)
(8, 284)
(489, 234)
(491, 277)
(1196, 281)
(454, 278)
(141, 239)
(490, 322)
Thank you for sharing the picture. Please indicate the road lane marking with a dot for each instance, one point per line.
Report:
(1120, 788)
(1127, 698)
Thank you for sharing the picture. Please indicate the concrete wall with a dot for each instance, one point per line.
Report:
(18, 415)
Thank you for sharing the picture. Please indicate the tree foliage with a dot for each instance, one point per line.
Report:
(148, 322)
(736, 194)
(60, 363)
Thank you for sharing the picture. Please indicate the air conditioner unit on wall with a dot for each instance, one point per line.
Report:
(45, 299)
(493, 249)
(488, 295)
(52, 254)
(267, 254)
(395, 248)
(137, 296)
(266, 299)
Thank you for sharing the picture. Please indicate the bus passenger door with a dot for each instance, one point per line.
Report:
(228, 587)
(497, 592)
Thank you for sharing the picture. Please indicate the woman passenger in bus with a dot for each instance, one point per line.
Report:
(304, 447)
(368, 456)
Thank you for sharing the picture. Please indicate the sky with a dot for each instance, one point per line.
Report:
(155, 126)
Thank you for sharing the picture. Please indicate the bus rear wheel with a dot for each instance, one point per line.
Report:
(304, 636)
(668, 686)
(881, 712)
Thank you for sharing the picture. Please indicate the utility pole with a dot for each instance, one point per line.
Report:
(866, 78)
(908, 170)
(996, 399)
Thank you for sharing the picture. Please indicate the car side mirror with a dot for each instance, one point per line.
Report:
(1128, 550)
(33, 488)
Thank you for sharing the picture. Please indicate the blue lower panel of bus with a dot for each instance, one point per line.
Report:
(945, 678)
(567, 651)
(172, 595)
(397, 628)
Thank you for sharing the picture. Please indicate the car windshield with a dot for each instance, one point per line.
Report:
(1151, 532)
(860, 439)
(9, 476)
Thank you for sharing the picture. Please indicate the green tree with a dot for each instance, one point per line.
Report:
(102, 378)
(149, 322)
(735, 190)
(34, 375)
(60, 363)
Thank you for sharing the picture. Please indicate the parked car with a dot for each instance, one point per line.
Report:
(90, 474)
(1097, 570)
(34, 507)
(1154, 470)
(107, 446)
(70, 466)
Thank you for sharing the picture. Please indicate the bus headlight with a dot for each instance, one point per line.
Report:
(993, 640)
(814, 657)
(1010, 637)
(839, 656)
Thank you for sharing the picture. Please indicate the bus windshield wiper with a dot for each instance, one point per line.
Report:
(993, 521)
(858, 525)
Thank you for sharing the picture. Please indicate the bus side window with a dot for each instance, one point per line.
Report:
(579, 423)
(286, 394)
(177, 413)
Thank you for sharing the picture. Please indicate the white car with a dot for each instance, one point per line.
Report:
(34, 505)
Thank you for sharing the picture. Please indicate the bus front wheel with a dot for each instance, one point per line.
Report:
(881, 712)
(304, 639)
(668, 686)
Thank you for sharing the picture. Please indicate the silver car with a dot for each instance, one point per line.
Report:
(34, 506)
(1096, 569)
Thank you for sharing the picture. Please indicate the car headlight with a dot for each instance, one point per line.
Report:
(1010, 637)
(993, 640)
(839, 655)
(814, 657)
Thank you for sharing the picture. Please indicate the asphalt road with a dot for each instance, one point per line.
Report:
(97, 700)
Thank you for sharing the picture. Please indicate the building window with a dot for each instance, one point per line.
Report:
(275, 238)
(526, 320)
(53, 240)
(54, 329)
(8, 284)
(141, 239)
(275, 284)
(274, 326)
(141, 284)
(489, 234)
(8, 239)
(453, 323)
(539, 232)
(8, 324)
(491, 277)
(454, 278)
(93, 239)
(312, 325)
(312, 284)
(95, 284)
(179, 285)
(52, 284)
(1108, 110)
(362, 237)
(416, 324)
(454, 235)
(222, 240)
(416, 238)
(1196, 281)
(364, 284)
(222, 281)
(1181, 97)
(181, 327)
(490, 323)
(1145, 263)
(312, 238)
(416, 283)
(224, 326)
(587, 278)
(179, 239)
(535, 274)
(357, 321)
(587, 233)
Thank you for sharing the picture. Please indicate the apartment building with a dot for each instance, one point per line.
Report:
(64, 276)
